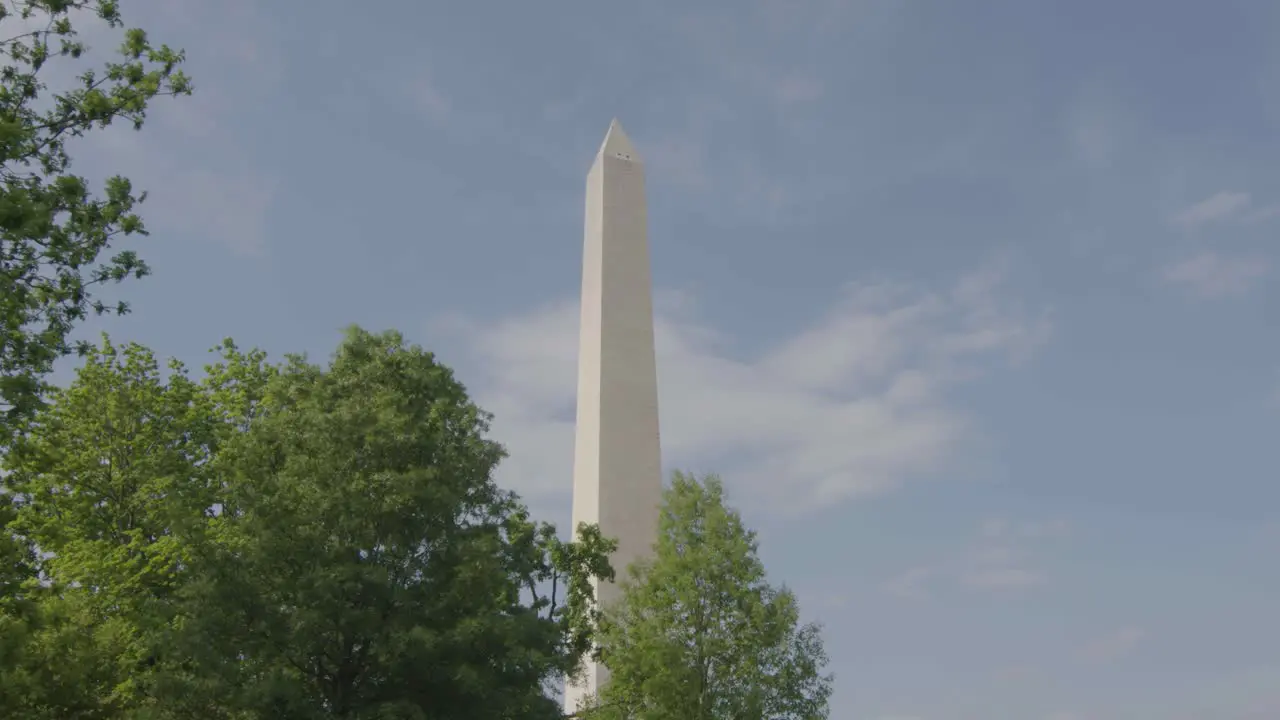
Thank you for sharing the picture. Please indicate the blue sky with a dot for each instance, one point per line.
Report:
(973, 305)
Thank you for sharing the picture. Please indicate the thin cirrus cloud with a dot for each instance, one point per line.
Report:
(1213, 275)
(192, 159)
(1113, 645)
(1223, 206)
(855, 404)
(1219, 206)
(1001, 559)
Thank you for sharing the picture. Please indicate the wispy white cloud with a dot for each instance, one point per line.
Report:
(190, 157)
(1219, 206)
(998, 566)
(429, 98)
(1226, 205)
(732, 50)
(680, 159)
(749, 56)
(797, 88)
(231, 206)
(855, 404)
(1261, 214)
(1091, 134)
(1000, 528)
(440, 97)
(911, 584)
(1211, 274)
(1003, 578)
(685, 153)
(1113, 645)
(1251, 693)
(1102, 128)
(1001, 558)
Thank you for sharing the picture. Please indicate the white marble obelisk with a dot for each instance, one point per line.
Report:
(617, 470)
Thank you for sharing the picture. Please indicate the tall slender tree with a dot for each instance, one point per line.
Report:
(700, 634)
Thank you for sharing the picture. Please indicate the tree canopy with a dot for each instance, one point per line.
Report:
(700, 634)
(280, 541)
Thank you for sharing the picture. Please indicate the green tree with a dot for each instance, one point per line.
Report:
(278, 542)
(699, 633)
(53, 229)
(110, 482)
(365, 565)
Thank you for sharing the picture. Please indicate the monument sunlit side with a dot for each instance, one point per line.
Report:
(617, 470)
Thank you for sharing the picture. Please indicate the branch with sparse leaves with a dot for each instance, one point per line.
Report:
(559, 575)
(53, 228)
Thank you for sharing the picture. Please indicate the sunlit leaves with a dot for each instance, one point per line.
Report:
(53, 228)
(700, 634)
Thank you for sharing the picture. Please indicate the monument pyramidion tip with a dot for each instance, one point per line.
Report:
(617, 144)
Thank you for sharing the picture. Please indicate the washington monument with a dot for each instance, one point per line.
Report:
(617, 467)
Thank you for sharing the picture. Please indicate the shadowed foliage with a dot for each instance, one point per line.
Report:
(279, 541)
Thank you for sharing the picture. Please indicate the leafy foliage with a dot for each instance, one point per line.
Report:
(111, 482)
(53, 229)
(700, 634)
(283, 541)
(365, 563)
